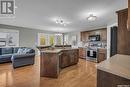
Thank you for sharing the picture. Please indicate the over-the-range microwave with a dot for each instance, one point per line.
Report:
(94, 37)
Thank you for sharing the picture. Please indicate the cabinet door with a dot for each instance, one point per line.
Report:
(69, 58)
(123, 40)
(104, 35)
(87, 36)
(80, 52)
(74, 57)
(128, 15)
(76, 54)
(101, 57)
(60, 61)
(65, 59)
(84, 52)
(83, 36)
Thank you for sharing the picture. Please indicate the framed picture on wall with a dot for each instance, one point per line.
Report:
(11, 40)
(2, 43)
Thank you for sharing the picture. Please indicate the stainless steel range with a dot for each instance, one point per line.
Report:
(92, 53)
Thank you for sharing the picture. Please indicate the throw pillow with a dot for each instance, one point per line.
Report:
(26, 50)
(20, 51)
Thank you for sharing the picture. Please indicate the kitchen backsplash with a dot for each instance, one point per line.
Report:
(101, 44)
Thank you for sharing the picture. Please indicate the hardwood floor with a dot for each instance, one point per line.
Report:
(81, 75)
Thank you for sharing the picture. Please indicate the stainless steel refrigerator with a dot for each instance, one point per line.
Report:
(113, 47)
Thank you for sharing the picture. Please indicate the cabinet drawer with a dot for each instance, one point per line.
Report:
(102, 50)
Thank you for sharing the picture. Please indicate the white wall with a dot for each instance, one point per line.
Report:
(71, 34)
(109, 38)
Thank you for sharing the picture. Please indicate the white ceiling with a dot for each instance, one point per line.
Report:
(39, 14)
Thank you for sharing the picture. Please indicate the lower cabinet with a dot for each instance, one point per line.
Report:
(69, 57)
(49, 66)
(101, 55)
(74, 57)
(64, 59)
(82, 53)
(106, 79)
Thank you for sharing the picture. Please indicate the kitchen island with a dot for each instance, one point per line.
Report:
(53, 60)
(114, 72)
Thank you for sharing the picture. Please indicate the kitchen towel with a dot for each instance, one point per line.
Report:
(91, 52)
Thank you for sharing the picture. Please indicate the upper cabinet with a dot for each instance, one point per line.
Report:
(123, 40)
(128, 15)
(84, 36)
(102, 32)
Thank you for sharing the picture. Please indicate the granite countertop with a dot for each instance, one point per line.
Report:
(57, 50)
(94, 47)
(118, 65)
(52, 51)
(70, 49)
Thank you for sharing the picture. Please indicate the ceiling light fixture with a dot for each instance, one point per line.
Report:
(61, 21)
(91, 17)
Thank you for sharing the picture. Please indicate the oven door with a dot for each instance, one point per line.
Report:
(91, 54)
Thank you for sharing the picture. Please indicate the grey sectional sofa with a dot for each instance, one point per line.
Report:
(10, 54)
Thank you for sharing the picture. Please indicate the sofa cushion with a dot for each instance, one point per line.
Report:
(17, 56)
(6, 56)
(6, 51)
(15, 50)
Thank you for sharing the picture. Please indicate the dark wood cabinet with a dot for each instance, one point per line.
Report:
(51, 62)
(65, 59)
(69, 57)
(106, 79)
(128, 15)
(104, 35)
(123, 35)
(101, 55)
(84, 36)
(74, 57)
(102, 32)
(82, 53)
